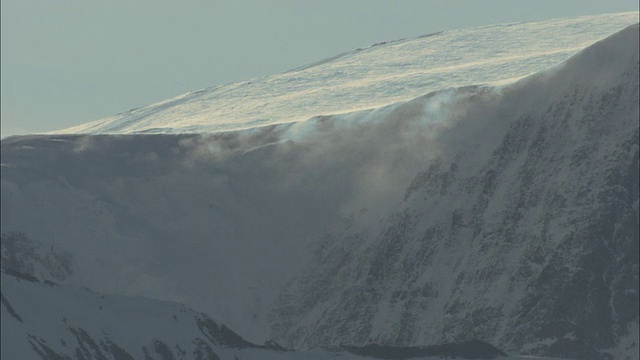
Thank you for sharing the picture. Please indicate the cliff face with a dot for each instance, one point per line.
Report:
(523, 234)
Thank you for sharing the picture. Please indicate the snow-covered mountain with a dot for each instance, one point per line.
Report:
(502, 213)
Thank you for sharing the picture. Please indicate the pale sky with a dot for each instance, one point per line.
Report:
(73, 61)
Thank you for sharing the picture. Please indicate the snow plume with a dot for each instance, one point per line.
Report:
(373, 155)
(345, 162)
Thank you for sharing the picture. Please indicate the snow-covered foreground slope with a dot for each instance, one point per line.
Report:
(507, 214)
(368, 78)
(77, 323)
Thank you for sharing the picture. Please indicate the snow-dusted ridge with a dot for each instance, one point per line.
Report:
(369, 78)
(507, 214)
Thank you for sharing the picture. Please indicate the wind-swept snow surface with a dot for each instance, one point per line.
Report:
(379, 75)
(506, 214)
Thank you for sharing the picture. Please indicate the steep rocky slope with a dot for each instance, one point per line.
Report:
(522, 231)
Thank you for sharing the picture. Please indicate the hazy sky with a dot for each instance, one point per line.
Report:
(72, 61)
